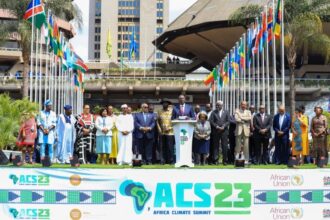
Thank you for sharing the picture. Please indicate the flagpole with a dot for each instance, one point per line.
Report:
(40, 70)
(254, 78)
(274, 62)
(244, 67)
(263, 77)
(258, 79)
(282, 55)
(36, 70)
(249, 69)
(267, 66)
(30, 75)
(55, 86)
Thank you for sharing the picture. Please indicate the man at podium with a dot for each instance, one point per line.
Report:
(183, 111)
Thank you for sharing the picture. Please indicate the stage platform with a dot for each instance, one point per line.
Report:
(210, 192)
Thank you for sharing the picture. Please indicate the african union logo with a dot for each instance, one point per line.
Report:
(183, 136)
(138, 193)
(297, 180)
(296, 213)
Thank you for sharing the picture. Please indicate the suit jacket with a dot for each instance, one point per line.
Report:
(200, 129)
(222, 121)
(285, 126)
(140, 122)
(259, 124)
(188, 111)
(243, 121)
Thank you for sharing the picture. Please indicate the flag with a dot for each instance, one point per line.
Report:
(79, 64)
(50, 31)
(270, 25)
(220, 77)
(254, 37)
(236, 62)
(76, 82)
(242, 53)
(258, 36)
(231, 61)
(81, 80)
(225, 71)
(35, 11)
(263, 32)
(64, 59)
(211, 77)
(132, 46)
(109, 44)
(277, 28)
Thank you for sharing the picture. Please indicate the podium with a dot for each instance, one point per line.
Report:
(183, 132)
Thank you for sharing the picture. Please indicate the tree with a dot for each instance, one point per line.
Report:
(64, 9)
(11, 116)
(303, 28)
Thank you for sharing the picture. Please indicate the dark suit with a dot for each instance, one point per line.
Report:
(188, 111)
(282, 148)
(145, 139)
(232, 141)
(262, 140)
(217, 135)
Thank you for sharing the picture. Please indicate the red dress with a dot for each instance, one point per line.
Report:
(29, 130)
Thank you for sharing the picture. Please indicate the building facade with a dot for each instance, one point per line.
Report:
(143, 20)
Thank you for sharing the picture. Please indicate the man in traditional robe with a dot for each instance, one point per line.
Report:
(125, 126)
(46, 122)
(66, 135)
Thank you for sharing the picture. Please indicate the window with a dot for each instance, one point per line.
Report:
(97, 21)
(97, 38)
(160, 5)
(159, 55)
(159, 14)
(98, 8)
(97, 55)
(97, 46)
(159, 30)
(97, 30)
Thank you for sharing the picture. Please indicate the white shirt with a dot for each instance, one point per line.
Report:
(281, 119)
(220, 113)
(262, 116)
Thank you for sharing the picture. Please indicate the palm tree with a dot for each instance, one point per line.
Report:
(64, 9)
(303, 28)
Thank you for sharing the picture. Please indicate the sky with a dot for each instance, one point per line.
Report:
(80, 41)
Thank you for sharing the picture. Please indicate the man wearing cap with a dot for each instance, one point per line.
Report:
(262, 123)
(46, 121)
(165, 128)
(66, 135)
(125, 126)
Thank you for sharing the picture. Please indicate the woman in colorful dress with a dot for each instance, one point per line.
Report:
(26, 136)
(300, 147)
(319, 128)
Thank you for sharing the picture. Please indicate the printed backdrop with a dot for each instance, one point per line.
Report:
(164, 194)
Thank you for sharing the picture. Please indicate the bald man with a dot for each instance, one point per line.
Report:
(242, 132)
(220, 127)
(183, 110)
(281, 126)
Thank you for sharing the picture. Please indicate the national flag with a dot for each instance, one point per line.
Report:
(225, 71)
(81, 80)
(220, 77)
(76, 82)
(254, 36)
(263, 32)
(270, 25)
(211, 77)
(50, 31)
(258, 36)
(277, 28)
(78, 63)
(109, 44)
(35, 12)
(242, 52)
(231, 68)
(236, 63)
(249, 45)
(132, 46)
(64, 58)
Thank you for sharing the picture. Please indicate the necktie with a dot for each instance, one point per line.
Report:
(181, 109)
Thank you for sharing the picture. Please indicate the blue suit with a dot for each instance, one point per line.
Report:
(282, 147)
(188, 111)
(145, 139)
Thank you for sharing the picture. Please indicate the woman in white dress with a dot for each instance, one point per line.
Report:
(125, 126)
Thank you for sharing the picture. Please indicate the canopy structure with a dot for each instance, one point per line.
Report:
(203, 33)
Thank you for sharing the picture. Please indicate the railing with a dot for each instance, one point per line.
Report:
(90, 78)
(10, 49)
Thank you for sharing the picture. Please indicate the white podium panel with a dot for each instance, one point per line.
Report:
(183, 132)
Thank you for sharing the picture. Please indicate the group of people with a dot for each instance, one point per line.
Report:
(115, 139)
